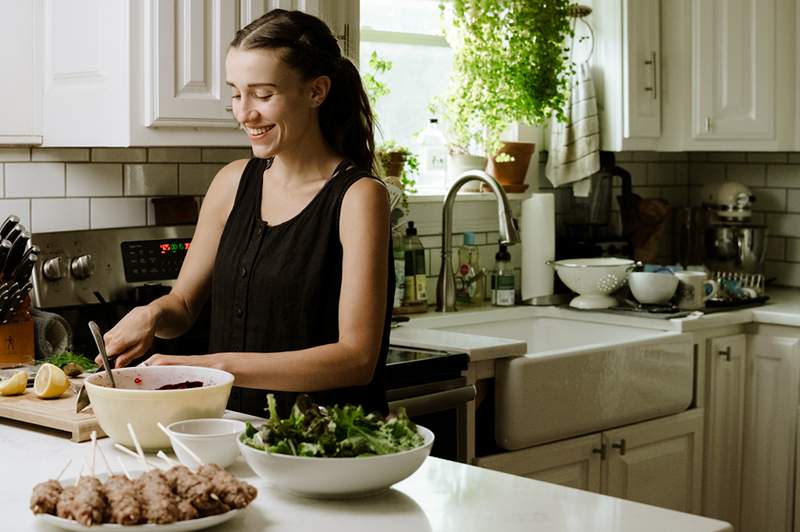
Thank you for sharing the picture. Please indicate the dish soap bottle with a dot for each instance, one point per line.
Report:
(470, 279)
(399, 259)
(416, 290)
(503, 282)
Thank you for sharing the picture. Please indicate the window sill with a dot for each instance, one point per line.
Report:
(433, 196)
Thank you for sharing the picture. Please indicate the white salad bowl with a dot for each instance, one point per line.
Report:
(593, 279)
(336, 478)
(653, 287)
(213, 440)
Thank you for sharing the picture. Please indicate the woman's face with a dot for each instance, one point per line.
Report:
(274, 106)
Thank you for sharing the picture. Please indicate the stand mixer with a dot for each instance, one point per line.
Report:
(734, 247)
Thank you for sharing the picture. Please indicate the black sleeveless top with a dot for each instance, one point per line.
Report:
(276, 288)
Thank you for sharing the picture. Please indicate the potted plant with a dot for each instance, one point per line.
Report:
(510, 65)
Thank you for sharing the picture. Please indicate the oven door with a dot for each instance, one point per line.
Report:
(442, 408)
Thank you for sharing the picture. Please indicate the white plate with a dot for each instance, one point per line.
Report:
(180, 526)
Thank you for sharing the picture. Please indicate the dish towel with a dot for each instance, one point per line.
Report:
(574, 150)
(52, 334)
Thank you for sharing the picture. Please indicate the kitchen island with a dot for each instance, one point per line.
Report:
(440, 496)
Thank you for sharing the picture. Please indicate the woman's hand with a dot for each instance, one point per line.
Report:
(131, 337)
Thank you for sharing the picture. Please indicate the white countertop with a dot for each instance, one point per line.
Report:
(422, 330)
(441, 496)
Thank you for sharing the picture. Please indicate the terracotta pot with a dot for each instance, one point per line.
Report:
(511, 174)
(393, 163)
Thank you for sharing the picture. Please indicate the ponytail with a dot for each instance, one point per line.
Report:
(309, 47)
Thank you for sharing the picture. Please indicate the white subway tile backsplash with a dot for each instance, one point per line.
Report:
(196, 178)
(776, 248)
(701, 173)
(726, 157)
(118, 212)
(174, 155)
(119, 155)
(60, 154)
(793, 200)
(793, 249)
(18, 207)
(34, 180)
(767, 157)
(783, 175)
(151, 179)
(785, 273)
(661, 174)
(752, 175)
(61, 214)
(94, 179)
(10, 155)
(225, 155)
(784, 224)
(769, 199)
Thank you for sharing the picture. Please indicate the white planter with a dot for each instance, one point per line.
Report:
(460, 163)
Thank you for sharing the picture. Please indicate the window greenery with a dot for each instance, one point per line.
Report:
(511, 65)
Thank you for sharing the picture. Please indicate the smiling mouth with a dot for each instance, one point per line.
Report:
(257, 131)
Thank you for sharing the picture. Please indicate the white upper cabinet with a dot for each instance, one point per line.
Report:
(151, 72)
(20, 60)
(628, 53)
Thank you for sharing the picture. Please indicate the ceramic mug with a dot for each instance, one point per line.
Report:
(694, 289)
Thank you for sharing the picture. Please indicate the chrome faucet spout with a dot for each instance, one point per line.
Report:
(509, 233)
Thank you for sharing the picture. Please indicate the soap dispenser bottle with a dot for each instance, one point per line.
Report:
(503, 282)
(416, 289)
(470, 279)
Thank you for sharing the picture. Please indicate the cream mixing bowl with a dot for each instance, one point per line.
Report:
(593, 279)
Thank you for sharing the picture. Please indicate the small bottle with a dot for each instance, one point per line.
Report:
(470, 279)
(432, 150)
(399, 258)
(416, 292)
(503, 282)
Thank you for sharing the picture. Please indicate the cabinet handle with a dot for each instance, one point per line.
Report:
(620, 446)
(601, 451)
(652, 63)
(726, 353)
(708, 124)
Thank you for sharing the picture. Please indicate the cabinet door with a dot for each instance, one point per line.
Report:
(734, 74)
(574, 463)
(19, 100)
(771, 400)
(657, 462)
(641, 74)
(185, 46)
(724, 421)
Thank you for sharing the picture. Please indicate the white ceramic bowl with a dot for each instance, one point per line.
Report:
(213, 440)
(336, 478)
(593, 279)
(137, 401)
(652, 287)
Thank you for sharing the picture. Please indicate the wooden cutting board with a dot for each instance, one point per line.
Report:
(56, 414)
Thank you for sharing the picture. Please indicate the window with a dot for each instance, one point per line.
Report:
(408, 33)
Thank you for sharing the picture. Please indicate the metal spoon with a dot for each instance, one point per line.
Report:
(101, 346)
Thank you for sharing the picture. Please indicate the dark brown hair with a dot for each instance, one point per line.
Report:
(310, 49)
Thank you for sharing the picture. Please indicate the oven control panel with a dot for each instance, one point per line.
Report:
(154, 260)
(96, 265)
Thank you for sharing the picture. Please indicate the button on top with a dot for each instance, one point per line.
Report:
(239, 312)
(244, 271)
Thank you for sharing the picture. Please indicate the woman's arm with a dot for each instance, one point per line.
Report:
(364, 233)
(171, 315)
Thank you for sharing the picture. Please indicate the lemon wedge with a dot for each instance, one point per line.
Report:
(50, 382)
(15, 384)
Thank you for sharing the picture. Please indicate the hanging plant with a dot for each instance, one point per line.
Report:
(510, 65)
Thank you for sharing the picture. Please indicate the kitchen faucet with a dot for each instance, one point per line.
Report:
(509, 234)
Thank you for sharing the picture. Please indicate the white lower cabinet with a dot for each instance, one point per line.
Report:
(657, 462)
(722, 476)
(768, 469)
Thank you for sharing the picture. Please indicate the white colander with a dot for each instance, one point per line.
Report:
(593, 279)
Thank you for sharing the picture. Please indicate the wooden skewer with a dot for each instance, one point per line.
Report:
(94, 452)
(133, 454)
(124, 469)
(78, 478)
(138, 448)
(170, 462)
(181, 445)
(102, 455)
(63, 469)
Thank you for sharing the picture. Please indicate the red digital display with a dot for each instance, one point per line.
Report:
(173, 247)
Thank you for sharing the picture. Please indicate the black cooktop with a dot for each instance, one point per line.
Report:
(408, 366)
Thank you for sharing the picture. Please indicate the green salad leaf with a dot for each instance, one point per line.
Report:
(346, 431)
(62, 359)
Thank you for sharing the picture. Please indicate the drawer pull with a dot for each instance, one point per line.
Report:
(726, 353)
(601, 451)
(620, 446)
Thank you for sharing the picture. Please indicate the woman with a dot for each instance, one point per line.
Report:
(293, 245)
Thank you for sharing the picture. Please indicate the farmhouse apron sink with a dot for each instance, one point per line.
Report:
(580, 377)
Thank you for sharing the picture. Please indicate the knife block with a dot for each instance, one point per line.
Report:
(16, 342)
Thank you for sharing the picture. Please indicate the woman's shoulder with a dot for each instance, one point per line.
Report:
(222, 190)
(367, 193)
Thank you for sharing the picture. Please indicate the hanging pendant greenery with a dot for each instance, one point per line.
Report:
(510, 65)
